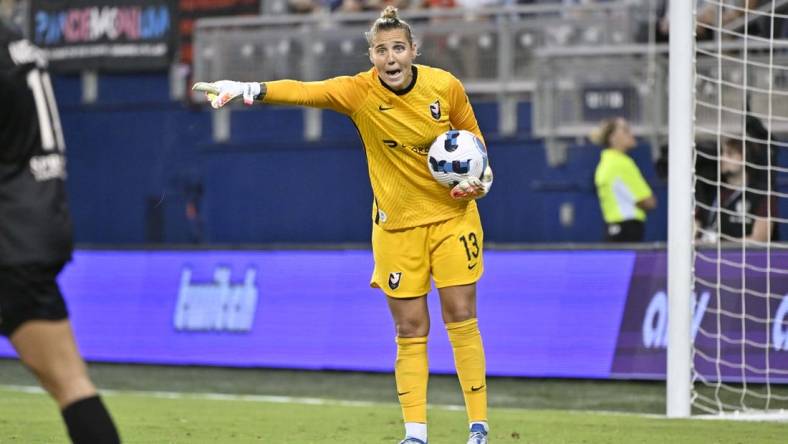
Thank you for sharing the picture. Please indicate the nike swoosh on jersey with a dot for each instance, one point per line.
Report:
(471, 266)
(382, 108)
(476, 389)
(402, 394)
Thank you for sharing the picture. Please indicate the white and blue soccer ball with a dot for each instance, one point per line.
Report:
(455, 156)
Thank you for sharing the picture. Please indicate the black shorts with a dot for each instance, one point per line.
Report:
(626, 231)
(29, 292)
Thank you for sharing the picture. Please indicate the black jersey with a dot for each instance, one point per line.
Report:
(739, 211)
(35, 226)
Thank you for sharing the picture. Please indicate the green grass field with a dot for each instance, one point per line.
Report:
(174, 405)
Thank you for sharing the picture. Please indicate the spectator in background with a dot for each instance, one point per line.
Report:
(302, 6)
(372, 5)
(439, 4)
(35, 239)
(312, 6)
(624, 195)
(352, 6)
(476, 4)
(707, 16)
(741, 205)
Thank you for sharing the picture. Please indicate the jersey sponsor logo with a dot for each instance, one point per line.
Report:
(385, 107)
(420, 150)
(435, 109)
(394, 279)
(216, 306)
(48, 166)
(741, 211)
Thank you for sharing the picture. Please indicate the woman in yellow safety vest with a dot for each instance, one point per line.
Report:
(624, 195)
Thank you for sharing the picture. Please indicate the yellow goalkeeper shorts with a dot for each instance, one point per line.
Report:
(451, 250)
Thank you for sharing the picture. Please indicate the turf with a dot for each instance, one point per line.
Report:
(356, 408)
(625, 396)
(144, 418)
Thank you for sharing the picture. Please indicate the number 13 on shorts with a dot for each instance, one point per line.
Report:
(450, 252)
(458, 258)
(472, 248)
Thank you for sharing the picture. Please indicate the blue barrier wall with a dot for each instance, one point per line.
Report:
(136, 159)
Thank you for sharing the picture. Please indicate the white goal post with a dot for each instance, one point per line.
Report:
(681, 80)
(728, 170)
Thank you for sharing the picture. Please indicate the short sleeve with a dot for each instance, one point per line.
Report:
(636, 183)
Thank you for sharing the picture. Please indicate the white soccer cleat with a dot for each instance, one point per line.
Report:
(478, 434)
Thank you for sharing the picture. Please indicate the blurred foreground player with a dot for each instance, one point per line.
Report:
(35, 240)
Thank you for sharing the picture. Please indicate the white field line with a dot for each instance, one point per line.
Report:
(770, 416)
(232, 397)
(344, 403)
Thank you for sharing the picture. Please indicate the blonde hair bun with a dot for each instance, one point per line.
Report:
(389, 20)
(389, 13)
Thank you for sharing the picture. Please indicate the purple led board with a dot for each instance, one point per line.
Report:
(541, 313)
(728, 345)
(567, 313)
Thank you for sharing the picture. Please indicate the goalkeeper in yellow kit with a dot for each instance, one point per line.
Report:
(419, 228)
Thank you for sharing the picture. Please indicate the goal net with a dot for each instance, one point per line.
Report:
(740, 309)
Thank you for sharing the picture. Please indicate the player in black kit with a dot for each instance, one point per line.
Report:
(35, 240)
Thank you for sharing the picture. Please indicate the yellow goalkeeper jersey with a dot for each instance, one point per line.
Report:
(397, 129)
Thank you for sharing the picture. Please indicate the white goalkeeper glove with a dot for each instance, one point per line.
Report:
(222, 92)
(473, 187)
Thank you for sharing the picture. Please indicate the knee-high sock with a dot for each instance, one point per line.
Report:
(411, 373)
(88, 422)
(466, 341)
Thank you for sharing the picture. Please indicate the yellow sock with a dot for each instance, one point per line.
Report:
(411, 374)
(469, 360)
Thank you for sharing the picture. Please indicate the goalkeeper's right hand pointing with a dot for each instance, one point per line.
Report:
(222, 92)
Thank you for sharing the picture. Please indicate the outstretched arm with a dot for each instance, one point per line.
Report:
(223, 92)
(342, 94)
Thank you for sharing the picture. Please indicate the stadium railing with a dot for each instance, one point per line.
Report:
(494, 51)
(577, 65)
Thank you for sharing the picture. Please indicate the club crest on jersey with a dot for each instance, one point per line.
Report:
(435, 109)
(394, 279)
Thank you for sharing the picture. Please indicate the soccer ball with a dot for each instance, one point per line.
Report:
(455, 156)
